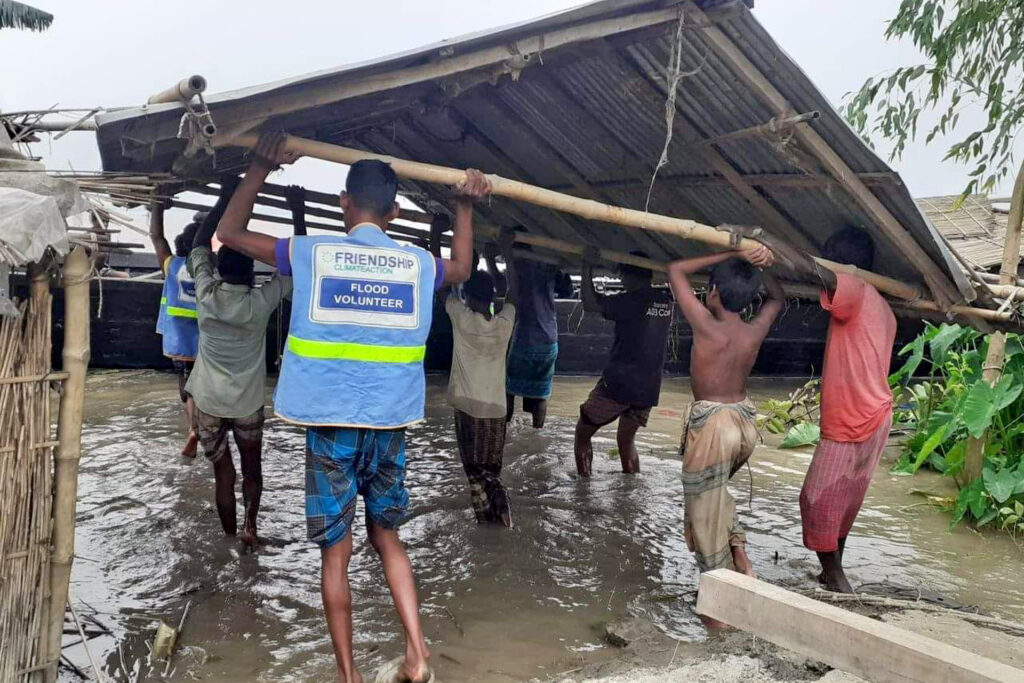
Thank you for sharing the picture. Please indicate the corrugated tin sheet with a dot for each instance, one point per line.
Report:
(587, 118)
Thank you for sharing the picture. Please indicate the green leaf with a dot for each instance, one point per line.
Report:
(999, 484)
(1018, 483)
(979, 408)
(955, 457)
(946, 337)
(974, 496)
(930, 444)
(1006, 392)
(802, 434)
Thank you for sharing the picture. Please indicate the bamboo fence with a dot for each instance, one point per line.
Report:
(26, 461)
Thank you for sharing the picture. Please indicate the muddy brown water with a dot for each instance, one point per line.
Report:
(498, 605)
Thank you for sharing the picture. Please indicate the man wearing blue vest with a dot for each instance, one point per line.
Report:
(177, 321)
(353, 374)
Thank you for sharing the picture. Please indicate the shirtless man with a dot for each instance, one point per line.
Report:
(720, 429)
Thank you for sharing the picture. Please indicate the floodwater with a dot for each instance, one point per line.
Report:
(498, 605)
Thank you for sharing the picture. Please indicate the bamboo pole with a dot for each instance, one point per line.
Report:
(993, 367)
(592, 210)
(69, 433)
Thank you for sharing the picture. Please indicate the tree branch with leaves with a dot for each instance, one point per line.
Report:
(973, 52)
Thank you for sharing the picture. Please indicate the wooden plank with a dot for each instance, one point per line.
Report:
(851, 642)
(942, 288)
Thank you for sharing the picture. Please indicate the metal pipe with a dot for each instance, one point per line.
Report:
(182, 91)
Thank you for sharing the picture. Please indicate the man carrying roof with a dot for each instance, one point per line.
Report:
(534, 348)
(177, 320)
(353, 374)
(631, 383)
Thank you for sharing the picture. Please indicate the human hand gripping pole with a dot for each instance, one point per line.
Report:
(475, 186)
(268, 154)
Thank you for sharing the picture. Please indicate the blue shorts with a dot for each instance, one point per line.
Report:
(342, 462)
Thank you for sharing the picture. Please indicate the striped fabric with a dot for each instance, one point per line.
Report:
(717, 440)
(481, 446)
(835, 486)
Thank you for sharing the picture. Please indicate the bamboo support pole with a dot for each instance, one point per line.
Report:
(69, 433)
(910, 295)
(993, 367)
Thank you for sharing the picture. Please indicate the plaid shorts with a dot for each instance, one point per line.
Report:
(601, 408)
(213, 433)
(343, 462)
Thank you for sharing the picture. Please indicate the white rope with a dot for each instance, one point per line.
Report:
(674, 76)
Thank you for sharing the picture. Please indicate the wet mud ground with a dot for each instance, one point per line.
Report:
(498, 605)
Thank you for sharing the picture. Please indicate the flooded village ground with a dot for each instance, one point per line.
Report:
(498, 605)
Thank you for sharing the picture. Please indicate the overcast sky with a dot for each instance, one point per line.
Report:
(120, 53)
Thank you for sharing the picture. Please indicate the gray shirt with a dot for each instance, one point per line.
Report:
(229, 376)
(476, 385)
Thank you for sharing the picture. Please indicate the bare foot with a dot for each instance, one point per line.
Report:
(837, 583)
(415, 667)
(742, 561)
(249, 538)
(356, 677)
(191, 444)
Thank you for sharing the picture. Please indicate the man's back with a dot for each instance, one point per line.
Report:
(536, 299)
(721, 359)
(855, 396)
(642, 320)
(476, 385)
(229, 376)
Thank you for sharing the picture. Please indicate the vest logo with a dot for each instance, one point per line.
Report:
(373, 286)
(366, 295)
(186, 286)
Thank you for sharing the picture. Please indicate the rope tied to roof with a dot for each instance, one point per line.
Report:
(674, 76)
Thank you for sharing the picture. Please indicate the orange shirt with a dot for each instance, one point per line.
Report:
(855, 394)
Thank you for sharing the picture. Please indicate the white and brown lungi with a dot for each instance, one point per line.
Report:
(718, 438)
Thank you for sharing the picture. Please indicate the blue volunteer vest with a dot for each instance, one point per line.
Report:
(361, 311)
(178, 320)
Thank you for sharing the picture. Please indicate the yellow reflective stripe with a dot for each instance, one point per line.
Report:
(370, 353)
(181, 312)
(163, 301)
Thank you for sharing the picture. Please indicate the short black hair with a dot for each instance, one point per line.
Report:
(183, 242)
(636, 271)
(480, 287)
(737, 283)
(234, 267)
(851, 245)
(372, 186)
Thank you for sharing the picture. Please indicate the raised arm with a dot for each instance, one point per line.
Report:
(801, 262)
(692, 308)
(772, 306)
(295, 195)
(233, 229)
(491, 253)
(460, 266)
(591, 299)
(506, 240)
(204, 235)
(156, 231)
(439, 224)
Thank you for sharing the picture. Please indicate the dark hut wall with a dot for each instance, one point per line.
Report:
(125, 337)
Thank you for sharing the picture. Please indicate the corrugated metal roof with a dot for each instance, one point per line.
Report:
(587, 118)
